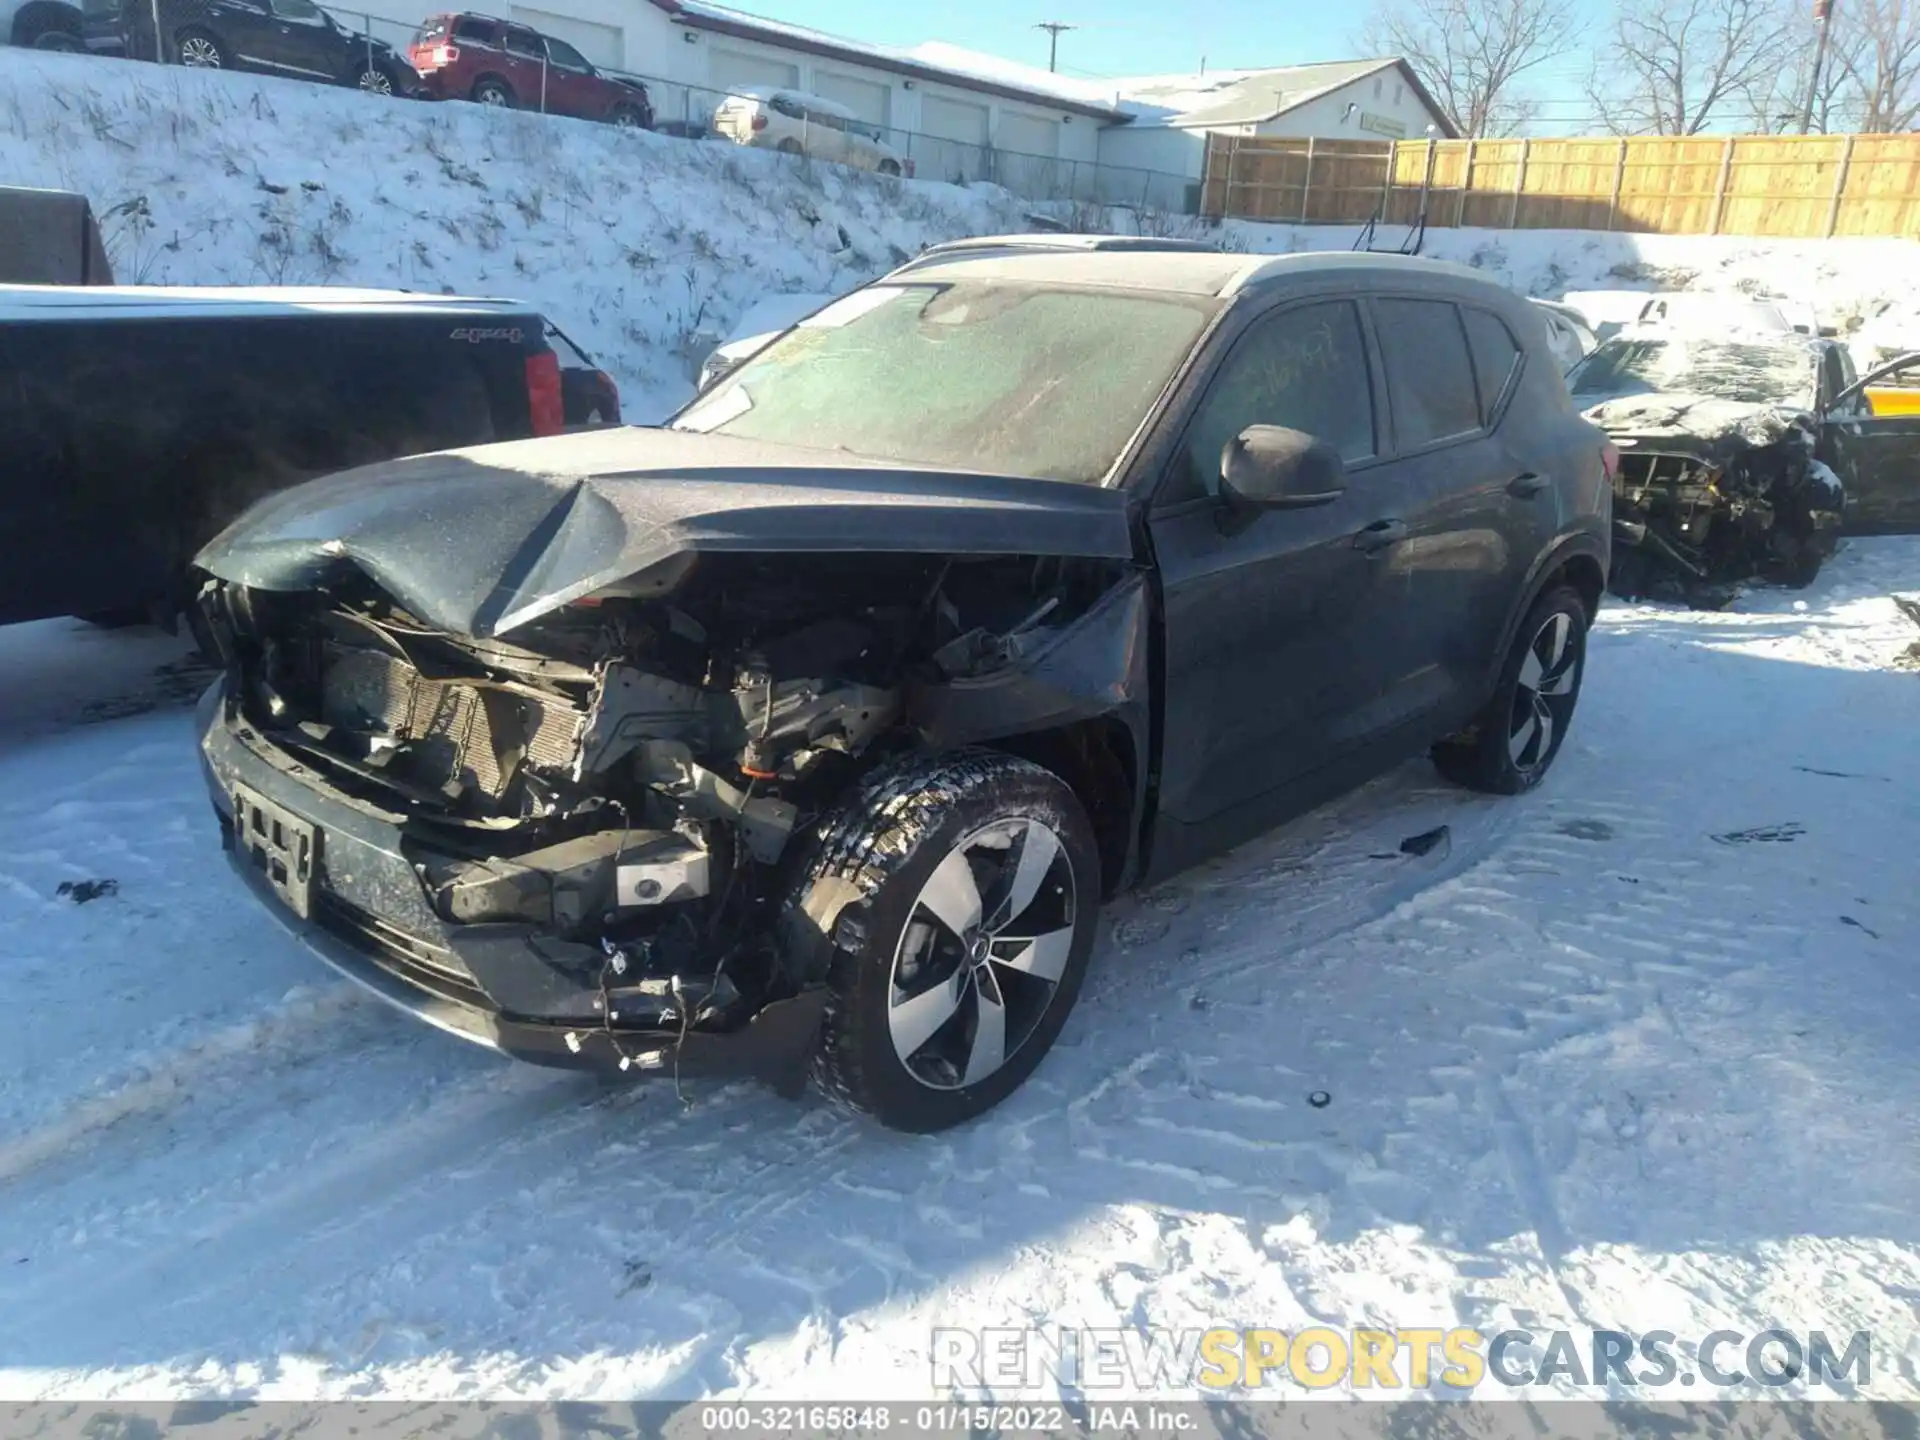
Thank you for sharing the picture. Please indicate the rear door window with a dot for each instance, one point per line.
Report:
(1429, 374)
(1304, 368)
(1496, 358)
(479, 32)
(525, 42)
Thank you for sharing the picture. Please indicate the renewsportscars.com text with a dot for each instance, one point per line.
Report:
(1223, 1360)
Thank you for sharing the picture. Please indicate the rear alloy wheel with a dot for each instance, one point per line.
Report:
(890, 168)
(375, 81)
(1510, 747)
(789, 146)
(200, 51)
(628, 118)
(493, 92)
(963, 892)
(60, 41)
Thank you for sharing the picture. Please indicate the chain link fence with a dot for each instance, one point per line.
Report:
(378, 58)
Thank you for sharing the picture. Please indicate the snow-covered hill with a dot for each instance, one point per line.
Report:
(645, 249)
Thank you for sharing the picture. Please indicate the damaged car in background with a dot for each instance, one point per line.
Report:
(1743, 457)
(813, 728)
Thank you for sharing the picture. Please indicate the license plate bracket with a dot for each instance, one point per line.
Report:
(284, 848)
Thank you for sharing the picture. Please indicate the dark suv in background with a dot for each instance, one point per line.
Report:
(497, 62)
(272, 37)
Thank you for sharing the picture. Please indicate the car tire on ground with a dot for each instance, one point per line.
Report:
(629, 117)
(789, 146)
(53, 38)
(1509, 748)
(956, 898)
(199, 50)
(373, 80)
(493, 91)
(890, 168)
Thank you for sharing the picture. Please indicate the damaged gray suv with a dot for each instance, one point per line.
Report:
(810, 730)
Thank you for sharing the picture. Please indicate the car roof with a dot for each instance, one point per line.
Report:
(1073, 260)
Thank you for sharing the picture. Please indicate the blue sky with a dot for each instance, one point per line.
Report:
(1128, 37)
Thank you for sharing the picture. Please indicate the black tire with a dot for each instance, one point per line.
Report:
(199, 50)
(890, 168)
(863, 888)
(1501, 753)
(629, 117)
(491, 90)
(57, 40)
(790, 146)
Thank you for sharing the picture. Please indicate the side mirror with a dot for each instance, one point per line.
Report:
(1272, 467)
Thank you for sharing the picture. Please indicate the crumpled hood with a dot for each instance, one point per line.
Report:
(477, 542)
(1704, 418)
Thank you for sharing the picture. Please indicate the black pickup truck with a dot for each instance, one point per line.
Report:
(135, 423)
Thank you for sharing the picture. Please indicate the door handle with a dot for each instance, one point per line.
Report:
(1379, 535)
(1525, 487)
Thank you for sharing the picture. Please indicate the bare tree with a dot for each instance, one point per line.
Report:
(1472, 53)
(1674, 67)
(1882, 59)
(1773, 101)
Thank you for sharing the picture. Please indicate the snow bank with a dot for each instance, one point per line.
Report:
(1871, 283)
(643, 248)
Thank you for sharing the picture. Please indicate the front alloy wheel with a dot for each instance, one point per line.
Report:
(376, 82)
(201, 53)
(950, 904)
(981, 958)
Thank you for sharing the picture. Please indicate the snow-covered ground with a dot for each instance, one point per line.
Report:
(1635, 1051)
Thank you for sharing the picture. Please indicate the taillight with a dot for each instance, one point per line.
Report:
(545, 411)
(1610, 457)
(443, 55)
(759, 122)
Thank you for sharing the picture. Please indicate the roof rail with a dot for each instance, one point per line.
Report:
(1046, 240)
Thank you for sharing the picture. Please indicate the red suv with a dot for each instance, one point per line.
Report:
(496, 62)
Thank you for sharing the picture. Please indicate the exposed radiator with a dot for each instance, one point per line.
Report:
(457, 734)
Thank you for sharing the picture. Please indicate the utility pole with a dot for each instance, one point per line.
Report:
(1823, 13)
(1053, 29)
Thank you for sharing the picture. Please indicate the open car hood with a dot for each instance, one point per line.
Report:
(478, 542)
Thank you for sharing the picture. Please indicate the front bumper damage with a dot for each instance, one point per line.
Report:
(347, 881)
(1710, 494)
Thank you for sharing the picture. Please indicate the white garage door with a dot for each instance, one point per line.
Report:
(955, 145)
(866, 98)
(1029, 135)
(602, 44)
(737, 70)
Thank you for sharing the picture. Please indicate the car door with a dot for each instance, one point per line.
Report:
(572, 87)
(1474, 514)
(245, 29)
(1272, 660)
(1876, 457)
(308, 42)
(524, 60)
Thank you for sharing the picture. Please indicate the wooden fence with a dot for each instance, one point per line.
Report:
(1797, 185)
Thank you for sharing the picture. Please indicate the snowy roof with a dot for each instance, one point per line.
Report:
(991, 78)
(1248, 97)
